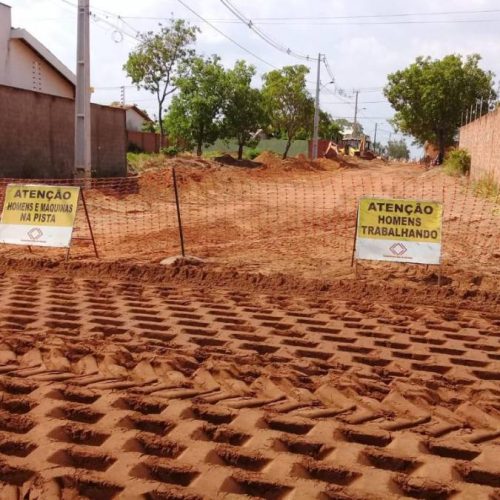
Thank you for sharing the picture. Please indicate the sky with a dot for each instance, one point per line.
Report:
(362, 40)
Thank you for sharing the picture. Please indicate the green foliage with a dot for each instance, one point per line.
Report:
(150, 127)
(457, 162)
(487, 187)
(429, 96)
(214, 153)
(252, 153)
(170, 151)
(398, 150)
(196, 112)
(329, 128)
(243, 109)
(159, 58)
(138, 162)
(288, 104)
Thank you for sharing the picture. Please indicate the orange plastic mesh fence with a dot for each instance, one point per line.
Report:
(247, 215)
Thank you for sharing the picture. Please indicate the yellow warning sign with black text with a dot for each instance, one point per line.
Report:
(38, 215)
(399, 230)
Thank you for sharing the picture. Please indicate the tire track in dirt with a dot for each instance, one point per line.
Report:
(117, 389)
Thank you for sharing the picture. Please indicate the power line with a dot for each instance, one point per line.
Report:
(227, 36)
(328, 69)
(261, 34)
(377, 23)
(360, 102)
(364, 16)
(96, 17)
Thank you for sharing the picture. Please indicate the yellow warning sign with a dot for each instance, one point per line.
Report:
(40, 205)
(407, 220)
(38, 215)
(399, 230)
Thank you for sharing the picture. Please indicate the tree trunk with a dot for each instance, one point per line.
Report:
(442, 147)
(160, 121)
(198, 148)
(288, 144)
(240, 151)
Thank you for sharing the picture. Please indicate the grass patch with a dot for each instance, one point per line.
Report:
(486, 187)
(251, 153)
(138, 162)
(210, 155)
(457, 163)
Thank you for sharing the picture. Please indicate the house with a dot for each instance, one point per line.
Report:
(37, 92)
(27, 64)
(135, 117)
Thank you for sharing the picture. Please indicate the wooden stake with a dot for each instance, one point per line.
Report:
(89, 224)
(179, 220)
(87, 218)
(354, 241)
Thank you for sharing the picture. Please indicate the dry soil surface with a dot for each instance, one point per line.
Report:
(269, 371)
(182, 387)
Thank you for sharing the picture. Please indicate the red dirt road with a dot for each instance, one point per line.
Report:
(119, 389)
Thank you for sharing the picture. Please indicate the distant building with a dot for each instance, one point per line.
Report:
(136, 117)
(27, 64)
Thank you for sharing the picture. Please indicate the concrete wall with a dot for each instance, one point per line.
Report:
(37, 136)
(481, 138)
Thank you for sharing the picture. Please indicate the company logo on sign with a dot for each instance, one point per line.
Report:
(35, 234)
(398, 249)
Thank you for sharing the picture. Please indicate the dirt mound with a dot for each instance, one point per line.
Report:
(227, 159)
(301, 163)
(269, 159)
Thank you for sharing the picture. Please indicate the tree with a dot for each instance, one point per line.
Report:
(329, 128)
(429, 96)
(287, 102)
(398, 150)
(196, 112)
(243, 109)
(155, 63)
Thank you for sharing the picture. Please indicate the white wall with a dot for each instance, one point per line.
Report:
(22, 67)
(134, 120)
(5, 21)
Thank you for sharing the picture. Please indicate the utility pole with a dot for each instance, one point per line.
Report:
(375, 137)
(83, 150)
(356, 110)
(122, 94)
(316, 114)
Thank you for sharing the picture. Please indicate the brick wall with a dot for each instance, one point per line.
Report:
(37, 136)
(149, 142)
(481, 138)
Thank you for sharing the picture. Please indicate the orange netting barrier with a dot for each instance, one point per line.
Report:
(245, 216)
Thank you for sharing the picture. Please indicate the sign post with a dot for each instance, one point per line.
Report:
(398, 230)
